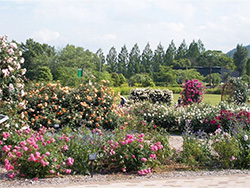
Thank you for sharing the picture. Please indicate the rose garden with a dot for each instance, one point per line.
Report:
(51, 129)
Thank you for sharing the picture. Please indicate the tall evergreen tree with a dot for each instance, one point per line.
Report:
(182, 51)
(134, 61)
(240, 58)
(111, 60)
(101, 62)
(159, 57)
(170, 54)
(123, 61)
(147, 59)
(193, 52)
(201, 46)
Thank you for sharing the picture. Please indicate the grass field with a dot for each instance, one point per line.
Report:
(208, 98)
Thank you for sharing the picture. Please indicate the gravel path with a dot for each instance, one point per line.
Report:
(175, 141)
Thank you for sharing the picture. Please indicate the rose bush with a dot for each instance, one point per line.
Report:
(192, 92)
(11, 84)
(92, 105)
(35, 154)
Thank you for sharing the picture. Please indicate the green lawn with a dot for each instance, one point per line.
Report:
(208, 98)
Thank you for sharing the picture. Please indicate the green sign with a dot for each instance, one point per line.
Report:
(79, 73)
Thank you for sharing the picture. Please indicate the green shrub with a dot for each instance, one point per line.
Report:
(227, 149)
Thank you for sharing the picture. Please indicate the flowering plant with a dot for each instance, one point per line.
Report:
(192, 92)
(35, 154)
(92, 105)
(11, 82)
(136, 151)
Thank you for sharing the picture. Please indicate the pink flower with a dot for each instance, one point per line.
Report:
(6, 135)
(68, 171)
(65, 147)
(52, 171)
(133, 156)
(144, 159)
(153, 156)
(47, 153)
(32, 157)
(6, 148)
(12, 175)
(70, 161)
(35, 179)
(54, 159)
(140, 146)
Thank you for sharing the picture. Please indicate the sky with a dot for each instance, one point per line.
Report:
(94, 24)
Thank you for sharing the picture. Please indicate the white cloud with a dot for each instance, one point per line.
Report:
(45, 35)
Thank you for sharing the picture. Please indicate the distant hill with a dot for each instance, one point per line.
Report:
(231, 53)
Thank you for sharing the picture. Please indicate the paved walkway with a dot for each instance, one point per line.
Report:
(232, 181)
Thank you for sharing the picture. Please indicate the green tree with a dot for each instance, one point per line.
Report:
(165, 76)
(182, 51)
(134, 61)
(248, 67)
(36, 55)
(123, 61)
(193, 52)
(71, 58)
(147, 59)
(115, 79)
(122, 79)
(182, 63)
(101, 62)
(111, 60)
(240, 58)
(201, 46)
(44, 74)
(216, 79)
(143, 80)
(183, 75)
(159, 58)
(170, 54)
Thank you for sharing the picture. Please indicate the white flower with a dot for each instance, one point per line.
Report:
(11, 87)
(245, 137)
(23, 71)
(13, 45)
(22, 60)
(10, 68)
(5, 72)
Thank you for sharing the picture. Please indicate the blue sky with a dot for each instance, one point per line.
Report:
(94, 24)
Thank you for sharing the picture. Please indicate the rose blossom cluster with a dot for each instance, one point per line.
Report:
(40, 151)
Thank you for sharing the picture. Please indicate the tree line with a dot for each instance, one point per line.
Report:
(147, 67)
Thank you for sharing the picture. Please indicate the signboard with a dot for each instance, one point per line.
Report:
(92, 157)
(79, 73)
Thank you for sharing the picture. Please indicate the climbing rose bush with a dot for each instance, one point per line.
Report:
(11, 83)
(193, 92)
